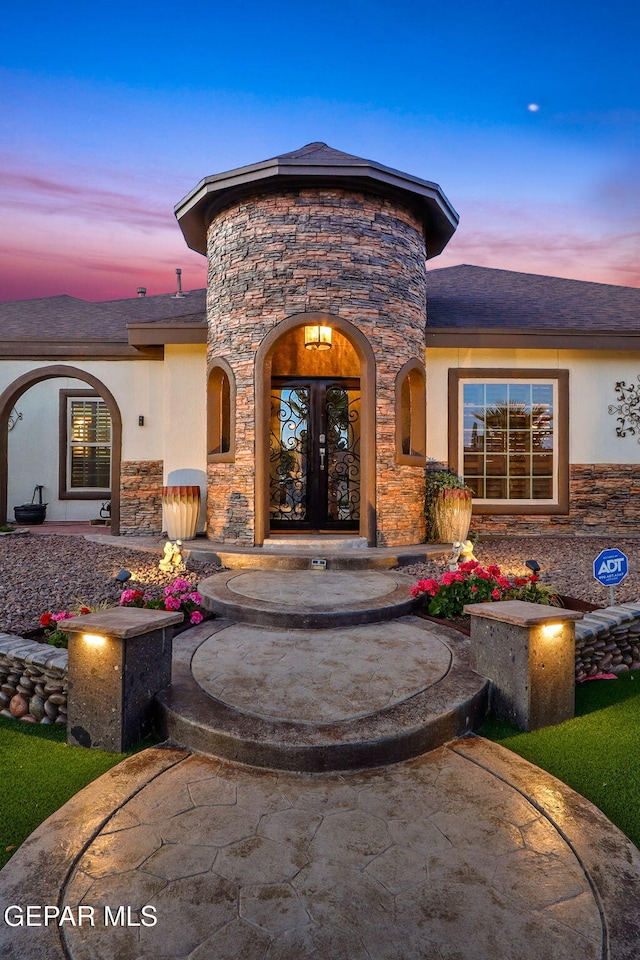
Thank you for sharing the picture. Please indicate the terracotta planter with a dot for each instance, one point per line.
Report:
(452, 515)
(181, 511)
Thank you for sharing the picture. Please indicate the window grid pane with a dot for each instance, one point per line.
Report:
(89, 445)
(508, 440)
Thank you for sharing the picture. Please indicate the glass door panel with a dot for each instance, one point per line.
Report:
(342, 415)
(289, 455)
(314, 471)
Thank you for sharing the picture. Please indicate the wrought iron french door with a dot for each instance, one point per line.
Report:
(314, 471)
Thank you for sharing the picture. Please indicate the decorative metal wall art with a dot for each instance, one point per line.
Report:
(14, 416)
(627, 408)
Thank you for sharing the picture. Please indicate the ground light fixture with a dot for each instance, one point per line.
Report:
(94, 639)
(123, 576)
(533, 565)
(317, 338)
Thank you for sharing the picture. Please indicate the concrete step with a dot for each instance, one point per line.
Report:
(309, 599)
(330, 700)
(332, 542)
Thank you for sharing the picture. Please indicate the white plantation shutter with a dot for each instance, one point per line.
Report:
(89, 444)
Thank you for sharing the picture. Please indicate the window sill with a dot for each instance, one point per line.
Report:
(84, 495)
(512, 507)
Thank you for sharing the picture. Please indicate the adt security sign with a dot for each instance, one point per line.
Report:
(610, 567)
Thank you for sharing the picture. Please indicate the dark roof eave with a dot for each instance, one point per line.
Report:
(539, 339)
(25, 349)
(436, 210)
(164, 332)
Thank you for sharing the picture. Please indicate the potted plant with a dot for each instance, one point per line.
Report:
(448, 506)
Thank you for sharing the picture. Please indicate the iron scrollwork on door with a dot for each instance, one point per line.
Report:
(343, 454)
(628, 408)
(289, 454)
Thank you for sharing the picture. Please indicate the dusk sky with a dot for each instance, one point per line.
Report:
(527, 115)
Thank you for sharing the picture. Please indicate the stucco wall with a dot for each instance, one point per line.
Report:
(33, 444)
(185, 414)
(604, 472)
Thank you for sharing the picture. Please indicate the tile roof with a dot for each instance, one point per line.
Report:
(68, 318)
(482, 297)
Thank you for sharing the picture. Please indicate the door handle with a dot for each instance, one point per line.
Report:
(322, 456)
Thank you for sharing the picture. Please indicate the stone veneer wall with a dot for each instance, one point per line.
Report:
(608, 641)
(33, 680)
(141, 497)
(329, 250)
(604, 498)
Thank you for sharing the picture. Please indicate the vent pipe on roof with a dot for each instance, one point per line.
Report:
(141, 291)
(178, 294)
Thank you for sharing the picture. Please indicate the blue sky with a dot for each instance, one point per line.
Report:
(112, 113)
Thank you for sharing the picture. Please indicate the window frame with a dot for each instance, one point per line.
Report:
(560, 379)
(65, 492)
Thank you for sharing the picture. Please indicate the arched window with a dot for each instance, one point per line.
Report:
(411, 414)
(221, 395)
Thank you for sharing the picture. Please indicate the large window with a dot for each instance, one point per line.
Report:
(85, 445)
(511, 438)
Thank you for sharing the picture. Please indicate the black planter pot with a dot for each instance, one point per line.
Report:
(30, 513)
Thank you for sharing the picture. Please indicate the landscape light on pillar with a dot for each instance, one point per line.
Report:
(317, 338)
(94, 639)
(123, 576)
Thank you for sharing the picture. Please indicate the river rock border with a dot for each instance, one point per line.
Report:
(33, 676)
(608, 641)
(33, 680)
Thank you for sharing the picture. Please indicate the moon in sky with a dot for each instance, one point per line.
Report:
(533, 107)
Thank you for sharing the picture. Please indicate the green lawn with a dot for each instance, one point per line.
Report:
(596, 753)
(40, 773)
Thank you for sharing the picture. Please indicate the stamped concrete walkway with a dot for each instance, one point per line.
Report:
(466, 853)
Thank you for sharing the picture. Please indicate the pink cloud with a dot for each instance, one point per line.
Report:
(551, 239)
(25, 192)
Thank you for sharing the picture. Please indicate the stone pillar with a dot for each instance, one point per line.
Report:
(118, 660)
(527, 651)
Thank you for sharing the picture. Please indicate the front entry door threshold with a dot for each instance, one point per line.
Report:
(315, 541)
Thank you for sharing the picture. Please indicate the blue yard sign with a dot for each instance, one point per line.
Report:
(610, 567)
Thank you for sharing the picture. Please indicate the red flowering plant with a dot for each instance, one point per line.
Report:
(54, 636)
(179, 596)
(472, 583)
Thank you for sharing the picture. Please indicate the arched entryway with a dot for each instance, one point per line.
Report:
(12, 394)
(322, 403)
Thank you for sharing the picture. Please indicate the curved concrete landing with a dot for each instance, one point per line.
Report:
(323, 676)
(308, 599)
(468, 852)
(289, 706)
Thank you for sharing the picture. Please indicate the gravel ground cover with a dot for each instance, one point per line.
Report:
(565, 563)
(51, 572)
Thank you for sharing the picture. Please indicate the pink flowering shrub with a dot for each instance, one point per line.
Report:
(54, 636)
(178, 596)
(472, 583)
